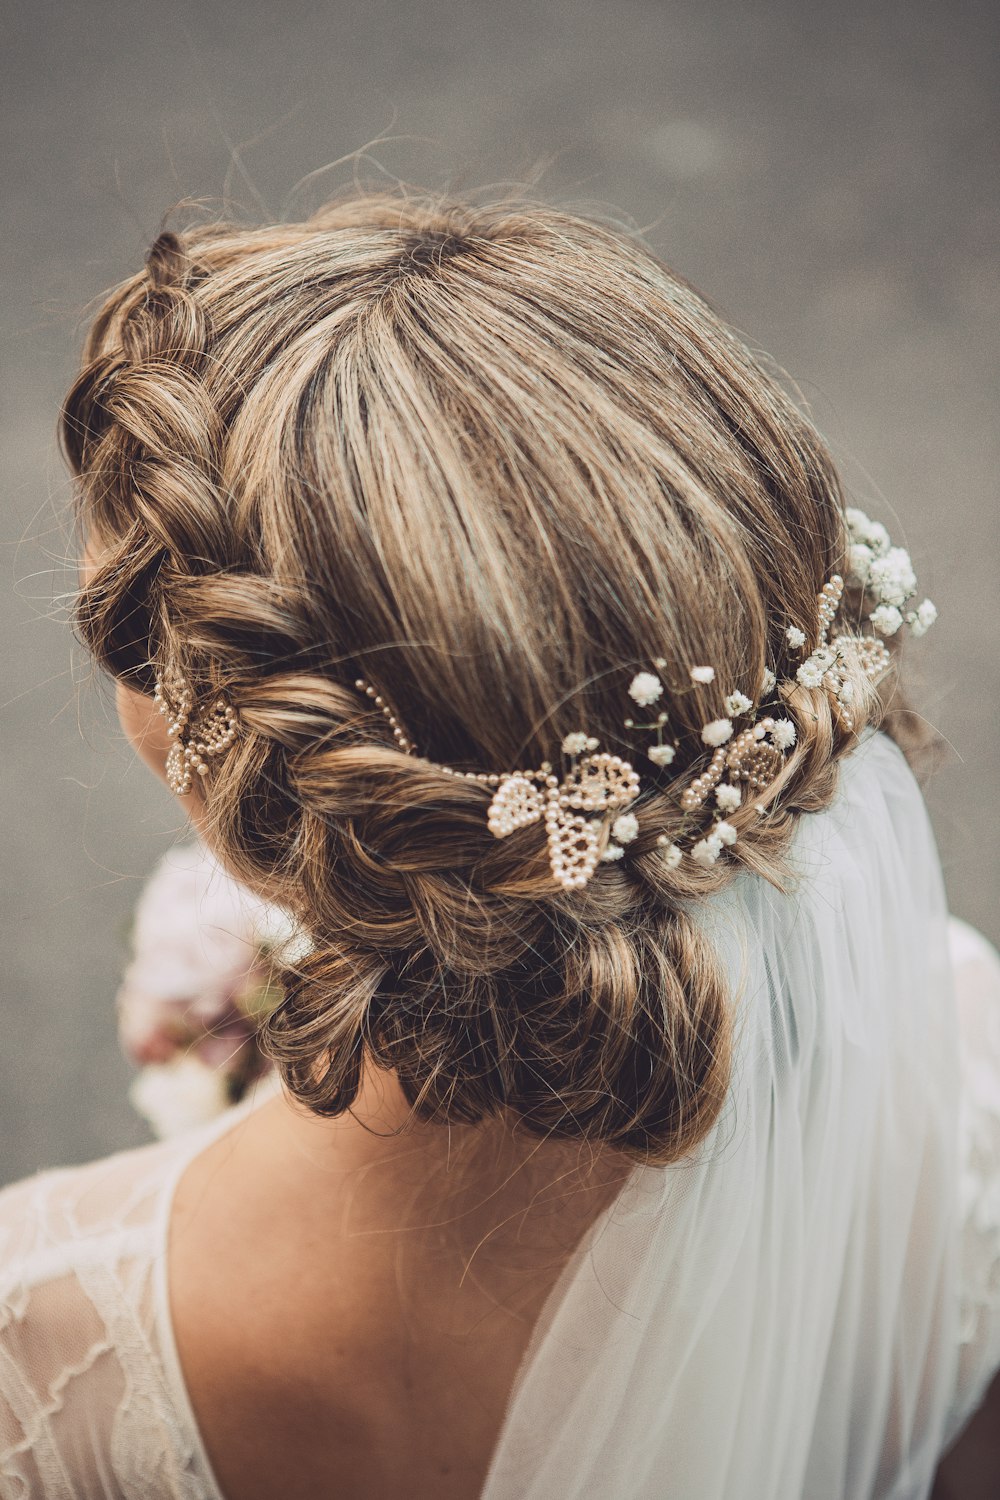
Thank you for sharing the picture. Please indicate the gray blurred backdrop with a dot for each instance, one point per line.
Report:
(825, 172)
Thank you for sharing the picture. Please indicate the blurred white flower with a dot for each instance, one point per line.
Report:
(179, 1094)
(202, 972)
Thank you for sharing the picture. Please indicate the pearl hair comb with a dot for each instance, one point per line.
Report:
(599, 788)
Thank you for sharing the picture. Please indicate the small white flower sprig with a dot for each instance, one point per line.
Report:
(751, 759)
(886, 574)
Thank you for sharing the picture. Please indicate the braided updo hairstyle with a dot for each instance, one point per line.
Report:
(492, 459)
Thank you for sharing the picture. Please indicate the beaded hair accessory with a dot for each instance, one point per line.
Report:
(595, 784)
(196, 737)
(577, 807)
(598, 788)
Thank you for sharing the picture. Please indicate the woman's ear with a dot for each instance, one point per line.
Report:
(144, 727)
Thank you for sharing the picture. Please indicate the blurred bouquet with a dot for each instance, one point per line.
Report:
(201, 979)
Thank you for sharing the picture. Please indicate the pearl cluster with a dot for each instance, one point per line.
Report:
(827, 604)
(754, 757)
(828, 665)
(196, 740)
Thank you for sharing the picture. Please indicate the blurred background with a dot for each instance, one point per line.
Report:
(825, 173)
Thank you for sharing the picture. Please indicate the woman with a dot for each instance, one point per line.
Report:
(484, 603)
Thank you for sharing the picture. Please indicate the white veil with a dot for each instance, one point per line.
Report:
(780, 1316)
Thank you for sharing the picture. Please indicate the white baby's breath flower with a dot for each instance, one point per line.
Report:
(783, 734)
(858, 524)
(574, 744)
(706, 851)
(886, 619)
(810, 674)
(728, 797)
(859, 560)
(795, 637)
(892, 577)
(592, 742)
(613, 851)
(921, 620)
(179, 1094)
(738, 703)
(672, 856)
(717, 732)
(845, 693)
(703, 674)
(661, 755)
(878, 538)
(660, 663)
(625, 827)
(768, 682)
(724, 832)
(645, 688)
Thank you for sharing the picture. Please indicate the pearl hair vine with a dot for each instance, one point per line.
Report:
(576, 807)
(598, 789)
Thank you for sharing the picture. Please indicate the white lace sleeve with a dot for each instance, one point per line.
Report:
(85, 1410)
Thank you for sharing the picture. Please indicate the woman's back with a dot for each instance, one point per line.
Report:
(790, 1291)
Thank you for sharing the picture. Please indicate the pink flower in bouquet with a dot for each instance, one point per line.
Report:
(200, 979)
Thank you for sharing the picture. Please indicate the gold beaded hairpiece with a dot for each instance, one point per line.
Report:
(575, 807)
(196, 738)
(596, 783)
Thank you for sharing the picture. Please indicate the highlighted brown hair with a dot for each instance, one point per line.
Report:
(492, 459)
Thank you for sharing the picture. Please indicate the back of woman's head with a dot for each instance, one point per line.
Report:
(494, 460)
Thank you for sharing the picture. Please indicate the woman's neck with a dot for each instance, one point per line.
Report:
(491, 1187)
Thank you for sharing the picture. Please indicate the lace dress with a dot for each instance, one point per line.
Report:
(810, 1307)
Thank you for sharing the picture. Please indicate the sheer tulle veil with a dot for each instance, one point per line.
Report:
(779, 1316)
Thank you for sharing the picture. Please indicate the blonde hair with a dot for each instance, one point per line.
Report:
(492, 458)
